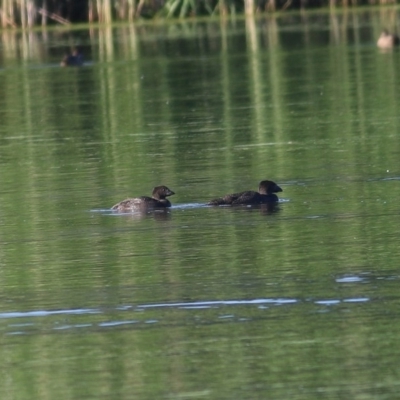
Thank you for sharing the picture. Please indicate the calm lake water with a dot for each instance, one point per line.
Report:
(201, 302)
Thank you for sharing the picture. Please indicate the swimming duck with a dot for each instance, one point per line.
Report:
(387, 40)
(74, 59)
(266, 194)
(157, 200)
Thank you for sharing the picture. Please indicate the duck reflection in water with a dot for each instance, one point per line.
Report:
(265, 195)
(262, 209)
(156, 215)
(157, 201)
(73, 59)
(387, 40)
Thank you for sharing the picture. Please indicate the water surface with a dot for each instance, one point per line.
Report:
(201, 302)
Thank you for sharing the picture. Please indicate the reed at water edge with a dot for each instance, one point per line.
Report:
(28, 13)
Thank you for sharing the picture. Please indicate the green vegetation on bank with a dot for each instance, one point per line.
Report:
(27, 13)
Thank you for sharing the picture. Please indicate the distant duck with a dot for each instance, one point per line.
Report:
(266, 194)
(387, 40)
(145, 203)
(74, 59)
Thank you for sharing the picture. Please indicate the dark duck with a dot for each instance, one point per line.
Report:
(266, 194)
(74, 59)
(145, 203)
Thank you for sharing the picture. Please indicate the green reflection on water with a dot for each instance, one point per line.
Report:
(207, 109)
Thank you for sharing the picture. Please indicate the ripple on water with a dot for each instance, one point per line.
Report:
(153, 314)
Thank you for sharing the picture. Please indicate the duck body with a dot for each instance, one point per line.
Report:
(266, 194)
(387, 40)
(145, 203)
(75, 59)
